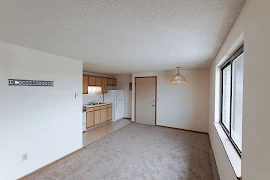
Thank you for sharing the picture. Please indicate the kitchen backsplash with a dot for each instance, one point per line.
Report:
(92, 97)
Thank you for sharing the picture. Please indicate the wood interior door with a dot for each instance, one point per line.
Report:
(97, 117)
(85, 84)
(103, 115)
(90, 119)
(109, 114)
(145, 94)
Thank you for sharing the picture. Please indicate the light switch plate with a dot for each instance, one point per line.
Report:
(25, 157)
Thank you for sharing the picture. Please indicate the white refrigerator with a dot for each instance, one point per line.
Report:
(117, 98)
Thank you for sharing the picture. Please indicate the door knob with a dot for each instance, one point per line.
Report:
(153, 105)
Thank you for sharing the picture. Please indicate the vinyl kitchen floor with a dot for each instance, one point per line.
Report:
(102, 130)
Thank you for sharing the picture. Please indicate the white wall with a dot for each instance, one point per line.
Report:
(256, 123)
(254, 26)
(123, 84)
(234, 40)
(183, 106)
(92, 96)
(45, 122)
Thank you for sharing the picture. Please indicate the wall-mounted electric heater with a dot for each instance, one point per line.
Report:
(21, 82)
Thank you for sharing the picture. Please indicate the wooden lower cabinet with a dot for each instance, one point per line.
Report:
(97, 117)
(103, 115)
(109, 113)
(98, 114)
(90, 119)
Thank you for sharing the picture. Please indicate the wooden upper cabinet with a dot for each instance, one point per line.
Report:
(94, 81)
(98, 81)
(111, 82)
(85, 85)
(104, 86)
(91, 80)
(114, 82)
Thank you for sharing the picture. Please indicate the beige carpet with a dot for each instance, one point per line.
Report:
(137, 152)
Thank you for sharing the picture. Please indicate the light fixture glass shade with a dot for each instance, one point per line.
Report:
(178, 78)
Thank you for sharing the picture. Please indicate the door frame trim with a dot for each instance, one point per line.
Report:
(155, 96)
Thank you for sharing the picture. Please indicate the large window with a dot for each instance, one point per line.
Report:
(232, 98)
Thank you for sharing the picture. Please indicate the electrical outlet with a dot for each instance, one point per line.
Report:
(25, 157)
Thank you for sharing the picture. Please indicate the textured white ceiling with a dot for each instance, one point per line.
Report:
(122, 36)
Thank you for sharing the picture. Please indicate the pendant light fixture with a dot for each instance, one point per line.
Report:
(178, 78)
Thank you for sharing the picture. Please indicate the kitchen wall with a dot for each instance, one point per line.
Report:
(92, 96)
(252, 27)
(45, 122)
(123, 84)
(184, 106)
(92, 91)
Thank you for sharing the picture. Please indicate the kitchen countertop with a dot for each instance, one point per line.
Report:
(89, 106)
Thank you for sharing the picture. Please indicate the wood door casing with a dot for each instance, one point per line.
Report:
(97, 117)
(145, 100)
(90, 119)
(85, 84)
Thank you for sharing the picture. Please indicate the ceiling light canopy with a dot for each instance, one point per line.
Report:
(178, 78)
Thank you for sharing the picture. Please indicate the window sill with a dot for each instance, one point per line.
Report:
(231, 152)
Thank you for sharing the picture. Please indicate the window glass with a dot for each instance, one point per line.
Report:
(226, 93)
(237, 100)
(232, 74)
